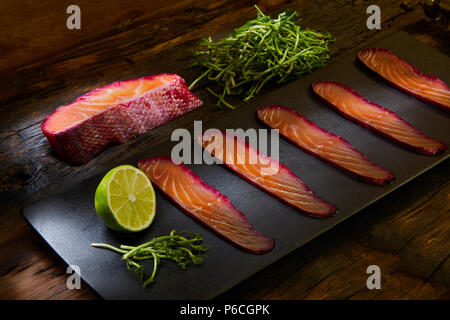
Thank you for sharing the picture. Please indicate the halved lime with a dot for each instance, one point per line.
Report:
(125, 199)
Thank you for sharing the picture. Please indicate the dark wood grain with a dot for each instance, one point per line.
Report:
(44, 65)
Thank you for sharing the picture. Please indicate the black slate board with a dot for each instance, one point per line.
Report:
(67, 221)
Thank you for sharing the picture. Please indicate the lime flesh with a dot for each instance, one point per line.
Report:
(125, 199)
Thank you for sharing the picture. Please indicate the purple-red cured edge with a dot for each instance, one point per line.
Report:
(270, 243)
(428, 151)
(332, 207)
(390, 175)
(413, 68)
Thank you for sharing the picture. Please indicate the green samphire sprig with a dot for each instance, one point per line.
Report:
(183, 248)
(261, 51)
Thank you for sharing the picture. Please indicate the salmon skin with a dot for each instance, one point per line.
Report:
(406, 77)
(376, 118)
(116, 113)
(323, 144)
(265, 173)
(204, 203)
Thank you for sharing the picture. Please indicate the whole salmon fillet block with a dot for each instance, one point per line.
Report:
(116, 113)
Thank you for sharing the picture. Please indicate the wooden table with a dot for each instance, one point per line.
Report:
(43, 65)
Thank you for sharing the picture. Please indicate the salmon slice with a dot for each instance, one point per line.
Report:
(265, 173)
(204, 203)
(376, 118)
(406, 77)
(116, 113)
(323, 144)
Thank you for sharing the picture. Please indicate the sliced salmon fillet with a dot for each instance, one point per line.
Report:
(204, 203)
(323, 144)
(116, 113)
(406, 77)
(265, 172)
(376, 118)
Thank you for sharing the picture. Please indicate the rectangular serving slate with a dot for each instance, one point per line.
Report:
(67, 221)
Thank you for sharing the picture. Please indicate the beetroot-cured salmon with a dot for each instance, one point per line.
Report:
(323, 144)
(204, 203)
(406, 77)
(376, 118)
(265, 173)
(116, 113)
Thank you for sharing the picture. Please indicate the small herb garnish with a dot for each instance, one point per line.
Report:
(176, 247)
(260, 51)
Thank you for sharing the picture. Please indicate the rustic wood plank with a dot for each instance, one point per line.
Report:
(406, 232)
(41, 36)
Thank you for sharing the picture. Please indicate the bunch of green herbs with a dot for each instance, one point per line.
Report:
(183, 248)
(262, 50)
